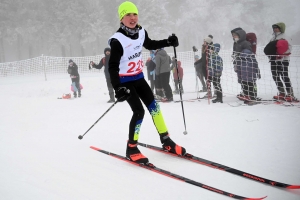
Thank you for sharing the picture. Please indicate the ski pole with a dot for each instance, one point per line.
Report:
(180, 91)
(81, 136)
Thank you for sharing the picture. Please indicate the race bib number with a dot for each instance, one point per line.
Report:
(135, 67)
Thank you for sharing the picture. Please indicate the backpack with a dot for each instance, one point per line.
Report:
(276, 47)
(251, 37)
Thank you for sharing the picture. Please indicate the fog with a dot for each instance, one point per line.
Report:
(30, 28)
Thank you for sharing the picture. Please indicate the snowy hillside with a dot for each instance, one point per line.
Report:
(42, 158)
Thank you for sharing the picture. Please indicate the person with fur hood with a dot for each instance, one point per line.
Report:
(205, 56)
(280, 63)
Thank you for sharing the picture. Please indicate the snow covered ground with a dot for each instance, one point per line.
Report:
(42, 158)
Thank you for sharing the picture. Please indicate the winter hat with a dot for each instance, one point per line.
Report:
(217, 47)
(106, 49)
(197, 57)
(208, 40)
(279, 25)
(282, 46)
(127, 7)
(70, 60)
(211, 36)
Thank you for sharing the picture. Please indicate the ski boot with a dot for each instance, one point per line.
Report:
(134, 154)
(219, 98)
(170, 145)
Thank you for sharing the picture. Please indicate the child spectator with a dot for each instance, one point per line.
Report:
(215, 68)
(175, 75)
(75, 78)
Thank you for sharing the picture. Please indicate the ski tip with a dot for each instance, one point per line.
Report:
(255, 198)
(95, 148)
(293, 187)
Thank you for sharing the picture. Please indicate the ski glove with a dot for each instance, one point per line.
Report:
(122, 94)
(173, 41)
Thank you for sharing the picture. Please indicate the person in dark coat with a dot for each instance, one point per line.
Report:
(197, 65)
(162, 71)
(75, 77)
(151, 72)
(104, 63)
(246, 66)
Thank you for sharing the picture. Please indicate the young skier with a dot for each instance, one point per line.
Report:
(75, 78)
(126, 72)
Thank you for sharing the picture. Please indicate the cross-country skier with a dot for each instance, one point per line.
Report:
(126, 72)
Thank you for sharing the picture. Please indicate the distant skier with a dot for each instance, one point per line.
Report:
(104, 62)
(75, 77)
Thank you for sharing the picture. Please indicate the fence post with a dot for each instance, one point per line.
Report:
(43, 64)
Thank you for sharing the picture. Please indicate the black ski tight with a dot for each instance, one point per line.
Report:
(280, 69)
(216, 80)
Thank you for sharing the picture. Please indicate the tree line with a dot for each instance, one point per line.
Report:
(29, 28)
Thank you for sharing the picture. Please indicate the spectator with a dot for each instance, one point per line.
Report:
(151, 72)
(215, 68)
(175, 75)
(206, 47)
(104, 63)
(197, 65)
(246, 66)
(163, 61)
(233, 56)
(75, 78)
(159, 91)
(280, 65)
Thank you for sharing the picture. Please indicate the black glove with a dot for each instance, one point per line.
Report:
(173, 41)
(122, 94)
(195, 49)
(91, 64)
